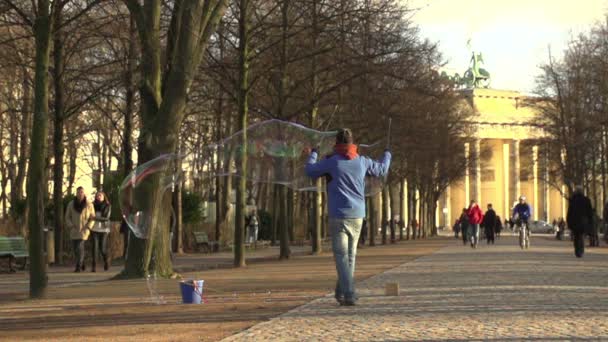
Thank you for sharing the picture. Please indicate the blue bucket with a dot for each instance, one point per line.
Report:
(192, 291)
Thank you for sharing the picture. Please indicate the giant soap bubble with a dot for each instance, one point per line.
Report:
(277, 152)
(159, 174)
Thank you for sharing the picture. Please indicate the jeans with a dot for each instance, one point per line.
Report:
(252, 234)
(474, 234)
(100, 240)
(345, 235)
(78, 246)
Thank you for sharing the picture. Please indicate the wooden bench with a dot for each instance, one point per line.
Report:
(13, 248)
(201, 239)
(254, 245)
(261, 244)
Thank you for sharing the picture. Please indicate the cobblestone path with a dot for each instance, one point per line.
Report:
(497, 293)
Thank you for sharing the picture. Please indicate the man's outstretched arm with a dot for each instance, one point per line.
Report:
(314, 169)
(379, 168)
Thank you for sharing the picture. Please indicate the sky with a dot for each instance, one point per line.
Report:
(514, 36)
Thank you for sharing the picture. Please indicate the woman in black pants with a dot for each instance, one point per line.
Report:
(101, 229)
(79, 216)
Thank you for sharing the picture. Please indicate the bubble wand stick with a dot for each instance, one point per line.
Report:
(388, 142)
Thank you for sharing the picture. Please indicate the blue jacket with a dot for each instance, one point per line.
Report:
(523, 211)
(346, 188)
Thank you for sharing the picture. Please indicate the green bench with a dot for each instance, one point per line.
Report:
(13, 248)
(201, 239)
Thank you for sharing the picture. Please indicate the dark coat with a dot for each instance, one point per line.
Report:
(489, 221)
(464, 222)
(498, 226)
(580, 213)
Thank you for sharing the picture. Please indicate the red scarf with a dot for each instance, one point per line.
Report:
(349, 151)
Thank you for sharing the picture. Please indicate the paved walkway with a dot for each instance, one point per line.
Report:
(491, 293)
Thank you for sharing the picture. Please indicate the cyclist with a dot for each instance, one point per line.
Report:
(522, 212)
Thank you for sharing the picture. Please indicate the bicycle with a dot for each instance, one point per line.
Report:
(524, 235)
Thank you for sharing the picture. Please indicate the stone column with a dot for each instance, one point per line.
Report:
(506, 185)
(563, 160)
(535, 182)
(467, 175)
(547, 189)
(417, 214)
(437, 211)
(404, 216)
(477, 191)
(516, 169)
(448, 204)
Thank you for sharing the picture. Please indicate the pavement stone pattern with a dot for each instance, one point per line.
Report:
(497, 293)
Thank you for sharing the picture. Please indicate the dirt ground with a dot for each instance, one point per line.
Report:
(111, 310)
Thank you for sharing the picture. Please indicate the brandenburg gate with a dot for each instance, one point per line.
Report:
(507, 159)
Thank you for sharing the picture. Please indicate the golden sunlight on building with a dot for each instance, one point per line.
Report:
(507, 159)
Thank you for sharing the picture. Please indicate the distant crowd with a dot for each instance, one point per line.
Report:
(582, 221)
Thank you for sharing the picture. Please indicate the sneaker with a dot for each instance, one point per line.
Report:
(338, 295)
(349, 302)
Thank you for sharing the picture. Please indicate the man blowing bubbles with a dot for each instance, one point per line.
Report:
(345, 171)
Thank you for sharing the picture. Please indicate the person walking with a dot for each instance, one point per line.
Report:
(498, 227)
(594, 236)
(101, 230)
(464, 225)
(475, 219)
(79, 219)
(456, 229)
(345, 172)
(579, 218)
(252, 226)
(561, 226)
(489, 224)
(363, 234)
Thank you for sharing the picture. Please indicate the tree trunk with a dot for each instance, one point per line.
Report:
(35, 185)
(402, 207)
(163, 101)
(243, 94)
(179, 224)
(58, 146)
(317, 220)
(285, 251)
(73, 155)
(290, 215)
(316, 196)
(603, 169)
(26, 112)
(177, 206)
(127, 146)
(373, 218)
(385, 213)
(275, 213)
